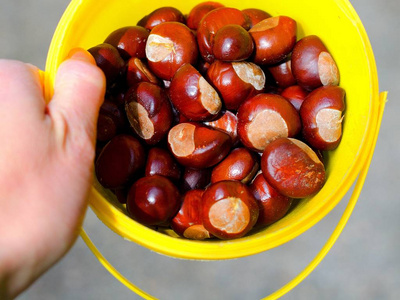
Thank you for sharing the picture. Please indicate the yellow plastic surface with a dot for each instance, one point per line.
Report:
(87, 23)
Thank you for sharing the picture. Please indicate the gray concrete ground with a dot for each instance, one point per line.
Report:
(363, 264)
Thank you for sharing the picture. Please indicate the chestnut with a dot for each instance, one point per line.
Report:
(193, 178)
(282, 74)
(109, 61)
(312, 64)
(198, 146)
(292, 168)
(161, 15)
(321, 115)
(273, 206)
(138, 71)
(274, 39)
(130, 41)
(236, 81)
(199, 11)
(193, 96)
(227, 122)
(295, 94)
(212, 22)
(161, 162)
(110, 122)
(264, 118)
(149, 111)
(120, 161)
(255, 15)
(188, 222)
(169, 46)
(153, 200)
(229, 209)
(241, 164)
(232, 43)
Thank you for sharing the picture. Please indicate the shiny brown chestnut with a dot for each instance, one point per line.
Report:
(199, 11)
(273, 206)
(193, 178)
(138, 71)
(255, 15)
(193, 96)
(110, 122)
(198, 146)
(264, 118)
(212, 22)
(236, 81)
(109, 61)
(161, 162)
(227, 122)
(322, 116)
(161, 15)
(188, 222)
(153, 200)
(282, 74)
(229, 209)
(295, 94)
(232, 43)
(274, 39)
(241, 164)
(169, 46)
(292, 168)
(149, 111)
(120, 161)
(130, 41)
(313, 65)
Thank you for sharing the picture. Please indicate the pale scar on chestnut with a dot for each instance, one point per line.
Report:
(158, 48)
(329, 124)
(265, 24)
(139, 120)
(327, 69)
(181, 139)
(209, 97)
(250, 73)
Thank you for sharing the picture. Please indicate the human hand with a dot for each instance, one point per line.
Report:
(46, 160)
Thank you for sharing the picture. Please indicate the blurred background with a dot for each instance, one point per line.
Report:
(363, 264)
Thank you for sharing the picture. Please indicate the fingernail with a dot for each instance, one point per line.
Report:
(81, 54)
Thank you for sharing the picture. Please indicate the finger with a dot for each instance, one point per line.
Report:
(78, 94)
(21, 91)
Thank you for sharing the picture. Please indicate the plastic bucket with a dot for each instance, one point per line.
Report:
(87, 23)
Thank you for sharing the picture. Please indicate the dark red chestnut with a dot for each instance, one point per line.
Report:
(255, 15)
(138, 71)
(232, 43)
(110, 122)
(274, 39)
(188, 222)
(149, 111)
(227, 122)
(282, 74)
(120, 161)
(229, 209)
(241, 164)
(161, 15)
(264, 118)
(109, 61)
(272, 205)
(193, 96)
(292, 168)
(161, 162)
(199, 11)
(169, 46)
(236, 81)
(195, 179)
(153, 200)
(295, 94)
(212, 22)
(198, 146)
(312, 64)
(321, 115)
(130, 41)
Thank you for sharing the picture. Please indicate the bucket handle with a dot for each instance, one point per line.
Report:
(311, 266)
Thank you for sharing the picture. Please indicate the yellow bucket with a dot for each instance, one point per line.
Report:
(87, 23)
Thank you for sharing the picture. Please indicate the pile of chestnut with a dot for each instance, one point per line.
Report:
(214, 122)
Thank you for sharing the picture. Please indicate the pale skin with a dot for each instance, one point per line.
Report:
(46, 164)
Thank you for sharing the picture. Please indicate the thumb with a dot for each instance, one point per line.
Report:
(78, 94)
